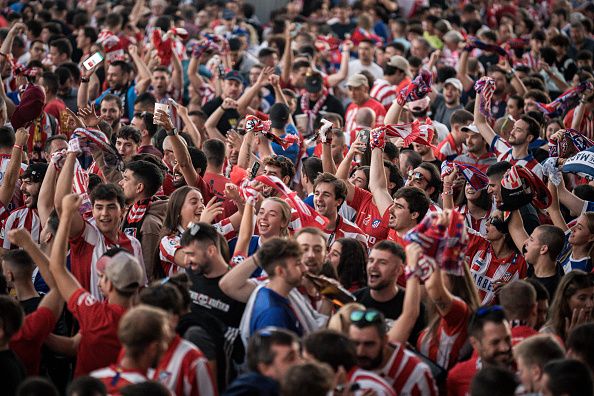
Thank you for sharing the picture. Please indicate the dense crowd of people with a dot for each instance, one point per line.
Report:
(342, 197)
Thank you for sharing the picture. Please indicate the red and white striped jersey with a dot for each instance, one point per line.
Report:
(478, 225)
(586, 127)
(504, 153)
(88, 247)
(487, 269)
(184, 370)
(22, 217)
(448, 149)
(407, 374)
(16, 200)
(345, 229)
(115, 378)
(530, 60)
(383, 92)
(367, 380)
(443, 347)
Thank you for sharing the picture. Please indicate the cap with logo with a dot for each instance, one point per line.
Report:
(470, 128)
(234, 75)
(314, 83)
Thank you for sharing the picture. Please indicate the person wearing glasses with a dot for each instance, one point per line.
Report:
(427, 178)
(404, 371)
(270, 353)
(490, 336)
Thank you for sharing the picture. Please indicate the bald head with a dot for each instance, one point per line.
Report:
(365, 117)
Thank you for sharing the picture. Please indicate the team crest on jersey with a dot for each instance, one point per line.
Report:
(164, 377)
(130, 231)
(376, 223)
(506, 277)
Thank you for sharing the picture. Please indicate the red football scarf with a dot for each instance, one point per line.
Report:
(565, 101)
(308, 216)
(444, 243)
(485, 88)
(254, 124)
(417, 89)
(312, 114)
(415, 131)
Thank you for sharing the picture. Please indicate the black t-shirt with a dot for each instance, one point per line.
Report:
(341, 29)
(392, 309)
(230, 118)
(550, 283)
(30, 305)
(12, 372)
(331, 105)
(207, 295)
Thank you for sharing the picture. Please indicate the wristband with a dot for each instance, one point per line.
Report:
(85, 79)
(448, 192)
(18, 146)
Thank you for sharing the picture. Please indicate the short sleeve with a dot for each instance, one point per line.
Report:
(84, 306)
(168, 247)
(456, 319)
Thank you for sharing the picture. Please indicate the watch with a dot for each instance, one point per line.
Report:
(173, 132)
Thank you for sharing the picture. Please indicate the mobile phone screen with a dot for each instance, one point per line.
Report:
(93, 61)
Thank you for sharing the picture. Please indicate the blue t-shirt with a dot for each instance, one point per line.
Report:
(310, 200)
(252, 249)
(272, 309)
(293, 151)
(568, 263)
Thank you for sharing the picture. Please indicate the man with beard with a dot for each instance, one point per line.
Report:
(119, 83)
(358, 87)
(396, 77)
(216, 108)
(140, 182)
(477, 151)
(145, 333)
(404, 371)
(204, 262)
(526, 129)
(444, 105)
(329, 194)
(112, 112)
(281, 259)
(490, 337)
(26, 216)
(384, 265)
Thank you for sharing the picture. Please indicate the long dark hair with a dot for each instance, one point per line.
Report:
(484, 201)
(352, 264)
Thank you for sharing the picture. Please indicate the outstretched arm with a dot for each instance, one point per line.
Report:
(211, 122)
(64, 188)
(14, 164)
(516, 229)
(287, 54)
(554, 210)
(403, 326)
(462, 71)
(343, 71)
(358, 147)
(143, 79)
(481, 123)
(244, 101)
(378, 185)
(65, 281)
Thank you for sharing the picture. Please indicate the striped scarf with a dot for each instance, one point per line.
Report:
(485, 87)
(565, 101)
(417, 89)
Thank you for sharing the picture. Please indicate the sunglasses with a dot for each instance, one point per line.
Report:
(416, 176)
(367, 316)
(483, 311)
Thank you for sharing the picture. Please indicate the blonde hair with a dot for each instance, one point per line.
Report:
(286, 214)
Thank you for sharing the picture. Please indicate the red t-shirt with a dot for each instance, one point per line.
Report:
(444, 347)
(459, 378)
(486, 268)
(520, 333)
(54, 107)
(351, 113)
(99, 344)
(28, 341)
(369, 218)
(216, 183)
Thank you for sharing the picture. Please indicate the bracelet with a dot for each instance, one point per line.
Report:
(18, 146)
(448, 192)
(85, 79)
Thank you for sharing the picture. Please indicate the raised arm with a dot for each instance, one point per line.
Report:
(6, 48)
(343, 71)
(65, 281)
(481, 123)
(237, 283)
(143, 77)
(47, 191)
(82, 97)
(357, 147)
(378, 185)
(63, 189)
(411, 308)
(448, 189)
(516, 229)
(554, 210)
(177, 75)
(246, 151)
(515, 80)
(244, 101)
(180, 150)
(393, 114)
(211, 122)
(287, 54)
(462, 71)
(568, 199)
(189, 125)
(14, 165)
(10, 107)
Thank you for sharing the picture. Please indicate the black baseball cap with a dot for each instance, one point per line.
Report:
(314, 83)
(234, 75)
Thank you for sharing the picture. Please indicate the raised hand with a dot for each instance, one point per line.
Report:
(71, 203)
(19, 237)
(229, 104)
(21, 137)
(88, 116)
(211, 211)
(162, 118)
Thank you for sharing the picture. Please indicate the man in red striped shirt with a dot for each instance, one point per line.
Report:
(144, 333)
(329, 194)
(396, 77)
(407, 374)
